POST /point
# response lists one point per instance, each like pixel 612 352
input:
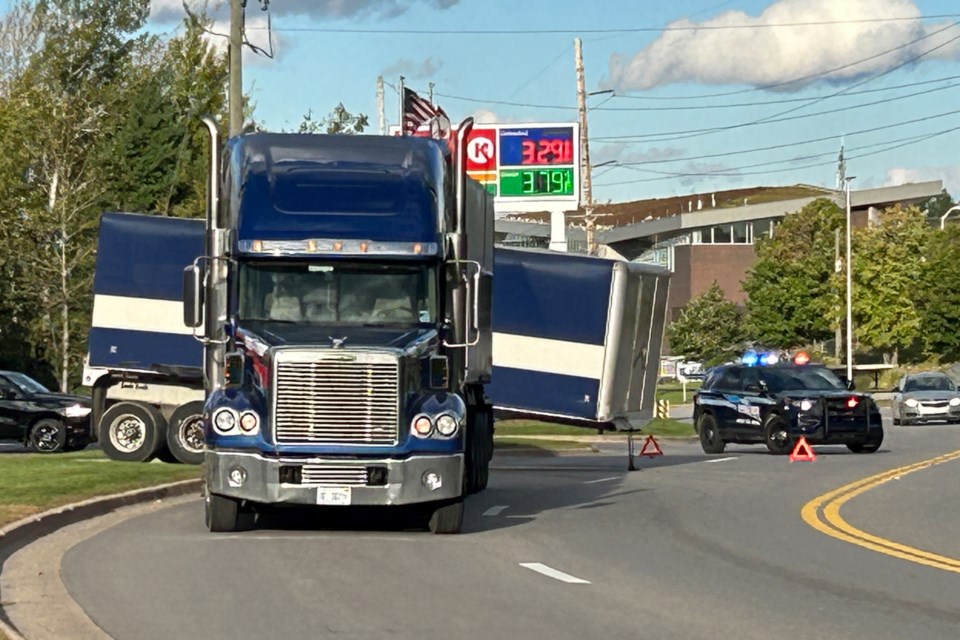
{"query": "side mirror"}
pixel 192 296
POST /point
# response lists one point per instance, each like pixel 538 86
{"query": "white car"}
pixel 926 397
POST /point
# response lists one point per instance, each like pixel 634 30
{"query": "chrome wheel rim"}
pixel 128 433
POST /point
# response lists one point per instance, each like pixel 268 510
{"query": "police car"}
pixel 762 399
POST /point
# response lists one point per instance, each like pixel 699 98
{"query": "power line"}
pixel 581 31
pixel 670 136
pixel 736 173
pixel 690 107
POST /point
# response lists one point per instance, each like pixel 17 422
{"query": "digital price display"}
pixel 536 182
pixel 536 146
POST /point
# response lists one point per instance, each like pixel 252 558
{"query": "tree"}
pixel 791 288
pixel 939 299
pixel 887 269
pixel 337 121
pixel 936 206
pixel 709 329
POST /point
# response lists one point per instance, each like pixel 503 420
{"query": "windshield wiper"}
pixel 270 320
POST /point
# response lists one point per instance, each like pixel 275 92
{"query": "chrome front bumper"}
pixel 405 483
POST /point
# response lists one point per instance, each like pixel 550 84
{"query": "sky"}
pixel 701 95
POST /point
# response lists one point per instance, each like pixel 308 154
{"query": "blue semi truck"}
pixel 327 336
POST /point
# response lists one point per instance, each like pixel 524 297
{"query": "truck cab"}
pixel 344 307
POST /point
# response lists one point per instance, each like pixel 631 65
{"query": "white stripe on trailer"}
pixel 548 356
pixel 139 314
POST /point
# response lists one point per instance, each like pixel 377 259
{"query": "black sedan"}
pixel 777 404
pixel 45 421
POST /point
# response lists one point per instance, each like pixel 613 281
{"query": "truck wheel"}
pixel 479 449
pixel 132 432
pixel 710 440
pixel 447 518
pixel 185 433
pixel 777 436
pixel 47 436
pixel 224 515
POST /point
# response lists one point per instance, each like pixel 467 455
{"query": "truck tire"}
pixel 710 440
pixel 186 439
pixel 479 448
pixel 225 515
pixel 48 435
pixel 447 518
pixel 132 432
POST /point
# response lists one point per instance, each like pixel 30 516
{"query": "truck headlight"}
pixel 76 411
pixel 224 420
pixel 249 422
pixel 422 426
pixel 446 425
pixel 910 402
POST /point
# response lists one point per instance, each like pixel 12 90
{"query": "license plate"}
pixel 334 496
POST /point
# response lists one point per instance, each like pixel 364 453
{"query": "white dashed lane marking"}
pixel 550 572
pixel 495 511
pixel 602 480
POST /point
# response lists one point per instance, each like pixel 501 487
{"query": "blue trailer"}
pixel 331 333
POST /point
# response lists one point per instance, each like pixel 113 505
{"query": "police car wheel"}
pixel 710 440
pixel 777 436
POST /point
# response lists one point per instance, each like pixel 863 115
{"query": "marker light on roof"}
pixel 771 358
pixel 750 358
pixel 801 358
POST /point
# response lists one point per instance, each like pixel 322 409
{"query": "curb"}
pixel 19 534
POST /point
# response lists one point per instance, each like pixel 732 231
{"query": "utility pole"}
pixel 838 335
pixel 849 288
pixel 585 169
pixel 236 67
pixel 381 110
pixel 431 92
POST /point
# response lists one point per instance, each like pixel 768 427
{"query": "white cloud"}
pixel 950 176
pixel 414 70
pixel 764 56
pixel 618 152
pixel 485 116
pixel 700 172
pixel 167 10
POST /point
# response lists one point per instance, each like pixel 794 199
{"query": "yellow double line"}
pixel 823 514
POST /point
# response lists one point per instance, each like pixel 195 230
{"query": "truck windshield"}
pixel 337 293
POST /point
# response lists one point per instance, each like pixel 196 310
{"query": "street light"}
pixel 849 287
pixel 943 218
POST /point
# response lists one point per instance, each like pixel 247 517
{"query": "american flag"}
pixel 417 111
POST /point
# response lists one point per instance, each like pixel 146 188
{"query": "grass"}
pixel 673 392
pixel 36 482
pixel 513 429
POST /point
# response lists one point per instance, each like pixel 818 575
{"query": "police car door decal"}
pixel 747 413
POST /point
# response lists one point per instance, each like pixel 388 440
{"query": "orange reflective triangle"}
pixel 656 448
pixel 802 452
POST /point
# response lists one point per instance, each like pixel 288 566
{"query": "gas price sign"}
pixel 538 166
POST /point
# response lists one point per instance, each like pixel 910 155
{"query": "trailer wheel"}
pixel 185 433
pixel 132 432
pixel 447 518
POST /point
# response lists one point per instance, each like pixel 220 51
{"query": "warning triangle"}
pixel 654 452
pixel 802 452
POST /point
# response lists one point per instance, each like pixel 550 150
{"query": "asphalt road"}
pixel 692 546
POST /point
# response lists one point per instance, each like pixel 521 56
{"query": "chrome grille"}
pixel 325 475
pixel 336 397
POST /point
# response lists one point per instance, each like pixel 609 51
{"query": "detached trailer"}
pixel 576 339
